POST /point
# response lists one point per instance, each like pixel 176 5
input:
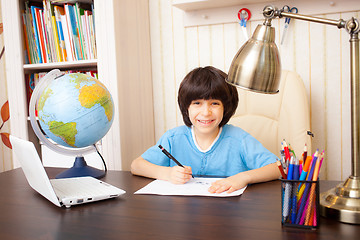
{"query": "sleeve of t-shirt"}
pixel 256 154
pixel 154 153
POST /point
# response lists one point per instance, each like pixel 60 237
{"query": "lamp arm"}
pixel 339 23
pixel 352 25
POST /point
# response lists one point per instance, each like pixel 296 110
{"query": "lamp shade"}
pixel 256 66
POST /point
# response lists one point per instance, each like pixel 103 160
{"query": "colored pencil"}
pixel 283 174
pixel 312 191
pixel 305 153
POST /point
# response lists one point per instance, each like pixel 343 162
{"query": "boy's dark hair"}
pixel 207 83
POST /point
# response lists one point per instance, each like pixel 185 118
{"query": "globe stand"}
pixel 81 169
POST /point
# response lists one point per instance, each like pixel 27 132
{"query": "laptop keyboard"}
pixel 80 187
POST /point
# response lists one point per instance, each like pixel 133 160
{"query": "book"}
pixel 87 35
pixel 45 37
pixel 26 40
pixel 92 34
pixel 30 35
pixel 40 32
pixel 58 11
pixel 36 34
pixel 70 12
pixel 78 12
pixel 29 85
pixel 67 38
pixel 50 21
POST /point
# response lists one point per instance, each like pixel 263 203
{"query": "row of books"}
pixel 58 33
pixel 32 79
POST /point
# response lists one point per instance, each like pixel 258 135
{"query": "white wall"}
pixel 318 53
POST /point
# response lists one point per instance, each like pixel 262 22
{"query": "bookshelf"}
pixel 28 68
pixel 123 47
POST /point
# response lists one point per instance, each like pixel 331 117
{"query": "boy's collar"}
pixel 196 144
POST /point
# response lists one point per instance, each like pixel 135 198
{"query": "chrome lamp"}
pixel 256 67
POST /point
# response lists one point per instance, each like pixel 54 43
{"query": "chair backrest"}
pixel 270 118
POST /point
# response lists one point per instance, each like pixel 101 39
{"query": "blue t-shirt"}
pixel 234 151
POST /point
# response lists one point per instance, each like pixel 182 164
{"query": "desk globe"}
pixel 75 111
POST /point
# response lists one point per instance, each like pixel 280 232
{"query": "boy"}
pixel 207 145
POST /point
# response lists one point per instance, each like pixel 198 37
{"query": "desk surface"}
pixel 24 214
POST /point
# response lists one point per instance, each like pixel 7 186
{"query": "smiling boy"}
pixel 207 145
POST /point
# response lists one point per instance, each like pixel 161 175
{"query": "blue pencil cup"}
pixel 300 203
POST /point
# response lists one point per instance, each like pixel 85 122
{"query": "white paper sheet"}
pixel 195 187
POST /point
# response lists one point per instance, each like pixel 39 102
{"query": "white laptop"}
pixel 61 192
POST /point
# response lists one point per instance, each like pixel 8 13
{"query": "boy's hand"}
pixel 180 175
pixel 229 185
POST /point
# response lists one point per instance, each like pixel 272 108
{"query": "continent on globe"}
pixel 66 131
pixel 90 95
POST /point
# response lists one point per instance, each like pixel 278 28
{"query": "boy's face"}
pixel 206 115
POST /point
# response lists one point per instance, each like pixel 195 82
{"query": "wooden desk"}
pixel 24 214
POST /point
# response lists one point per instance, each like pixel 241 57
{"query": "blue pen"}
pixel 294 191
pixel 287 193
pixel 291 168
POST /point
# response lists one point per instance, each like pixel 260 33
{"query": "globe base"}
pixel 81 169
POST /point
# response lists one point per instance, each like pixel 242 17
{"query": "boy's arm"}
pixel 240 180
pixel 177 175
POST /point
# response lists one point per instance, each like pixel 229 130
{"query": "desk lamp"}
pixel 256 67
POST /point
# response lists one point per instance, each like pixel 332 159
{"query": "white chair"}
pixel 270 118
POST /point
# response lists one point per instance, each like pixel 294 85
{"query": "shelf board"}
pixel 210 12
pixel 71 1
pixel 61 65
pixel 191 5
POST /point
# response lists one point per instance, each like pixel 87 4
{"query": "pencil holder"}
pixel 300 203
